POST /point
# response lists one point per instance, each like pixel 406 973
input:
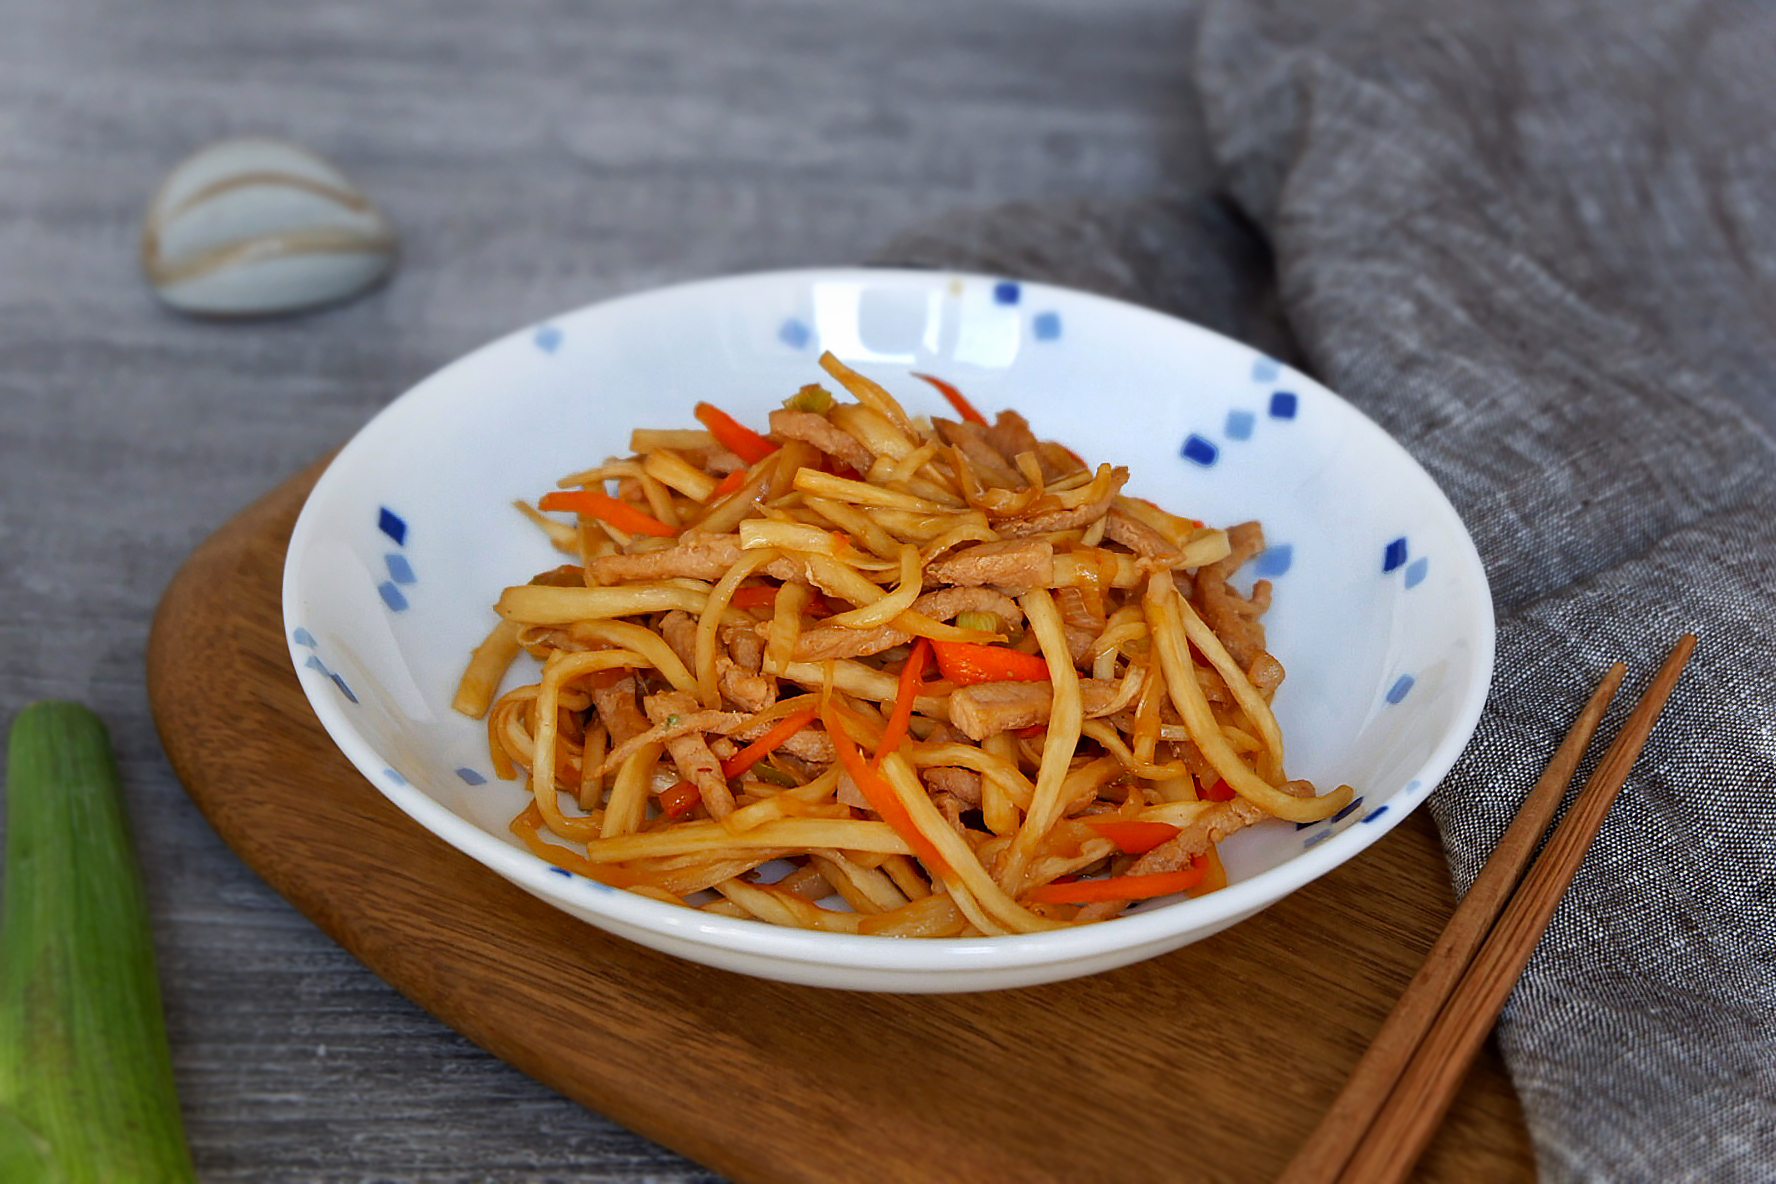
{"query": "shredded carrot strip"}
pixel 1218 792
pixel 965 663
pixel 737 438
pixel 765 745
pixel 1119 887
pixel 1214 874
pixel 755 596
pixel 725 486
pixel 956 399
pixel 605 508
pixel 1131 836
pixel 765 596
pixel 878 793
pixel 678 800
pixel 912 676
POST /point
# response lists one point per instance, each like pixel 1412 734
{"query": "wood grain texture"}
pixel 1209 1063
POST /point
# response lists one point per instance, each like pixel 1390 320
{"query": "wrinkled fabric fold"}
pixel 1537 243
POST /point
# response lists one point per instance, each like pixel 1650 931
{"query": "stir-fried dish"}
pixel 878 674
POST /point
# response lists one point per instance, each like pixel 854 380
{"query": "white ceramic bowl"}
pixel 1381 612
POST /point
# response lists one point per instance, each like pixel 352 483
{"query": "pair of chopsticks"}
pixel 1399 1092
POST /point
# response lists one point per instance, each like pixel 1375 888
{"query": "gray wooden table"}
pixel 535 155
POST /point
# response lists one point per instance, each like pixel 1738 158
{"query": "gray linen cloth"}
pixel 1537 243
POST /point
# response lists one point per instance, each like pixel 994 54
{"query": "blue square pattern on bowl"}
pixel 1243 424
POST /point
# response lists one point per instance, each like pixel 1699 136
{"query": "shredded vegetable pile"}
pixel 877 674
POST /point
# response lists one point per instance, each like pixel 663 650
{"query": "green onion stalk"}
pixel 86 1078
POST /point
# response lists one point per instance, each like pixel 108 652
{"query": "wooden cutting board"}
pixel 1211 1063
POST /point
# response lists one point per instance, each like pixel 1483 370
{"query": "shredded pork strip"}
pixel 964 785
pixel 698 555
pixel 993 707
pixel 837 641
pixel 822 433
pixel 615 702
pixel 1065 519
pixel 967 438
pixel 1138 537
pixel 1235 618
pixel 690 751
pixel 1015 565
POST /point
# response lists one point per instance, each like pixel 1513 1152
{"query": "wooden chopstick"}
pixel 1421 1097
pixel 1330 1147
pixel 1394 1100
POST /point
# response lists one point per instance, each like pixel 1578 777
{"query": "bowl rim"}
pixel 631 911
